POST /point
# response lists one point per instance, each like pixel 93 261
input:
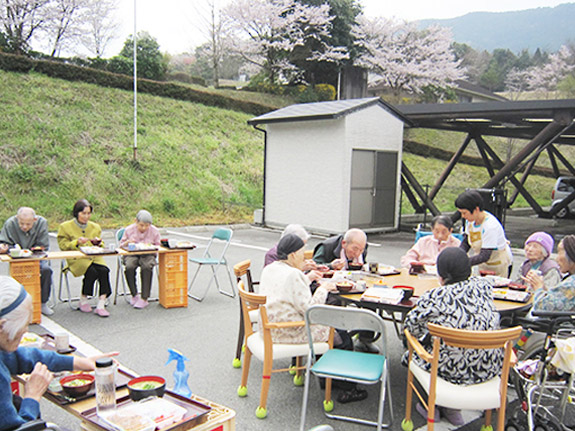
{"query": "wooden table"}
pixel 421 284
pixel 172 270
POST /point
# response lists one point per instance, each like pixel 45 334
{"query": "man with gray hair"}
pixel 339 251
pixel 30 230
pixel 140 232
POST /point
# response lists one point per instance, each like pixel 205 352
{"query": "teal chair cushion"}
pixel 352 365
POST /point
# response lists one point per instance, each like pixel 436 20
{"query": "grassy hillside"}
pixel 62 141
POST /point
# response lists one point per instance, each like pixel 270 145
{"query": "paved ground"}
pixel 206 333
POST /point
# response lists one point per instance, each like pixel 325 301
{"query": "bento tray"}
pixel 60 397
pixel 34 255
pixel 97 251
pixel 196 412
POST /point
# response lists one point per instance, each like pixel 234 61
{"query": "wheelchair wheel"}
pixel 547 424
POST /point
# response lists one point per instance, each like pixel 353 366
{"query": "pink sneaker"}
pixel 141 303
pixel 102 312
pixel 134 299
pixel 86 308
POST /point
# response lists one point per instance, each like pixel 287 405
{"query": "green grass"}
pixel 62 141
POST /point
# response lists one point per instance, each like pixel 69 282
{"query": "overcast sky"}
pixel 177 24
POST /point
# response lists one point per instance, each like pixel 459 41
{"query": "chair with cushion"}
pixel 242 269
pixel 488 395
pixel 224 237
pixel 350 366
pixel 259 344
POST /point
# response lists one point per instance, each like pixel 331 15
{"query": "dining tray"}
pixel 140 249
pixel 196 412
pixel 97 251
pixel 37 255
pixel 59 396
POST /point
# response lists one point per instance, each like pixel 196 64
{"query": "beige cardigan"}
pixel 68 234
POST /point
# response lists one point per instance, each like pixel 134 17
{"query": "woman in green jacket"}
pixel 81 232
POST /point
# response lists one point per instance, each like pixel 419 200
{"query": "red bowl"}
pixel 407 291
pixel 328 274
pixel 78 390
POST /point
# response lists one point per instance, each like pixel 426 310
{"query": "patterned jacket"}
pixel 464 305
pixel 558 298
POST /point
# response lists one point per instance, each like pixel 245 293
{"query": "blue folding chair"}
pixel 221 235
pixel 420 233
pixel 357 367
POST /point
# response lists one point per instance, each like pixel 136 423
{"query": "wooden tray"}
pixel 196 412
pixel 60 397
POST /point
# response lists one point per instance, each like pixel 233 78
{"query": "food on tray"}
pixel 130 421
pixel 184 244
pixel 37 249
pixel 328 274
pixel 148 384
pixel 30 339
pixel 77 385
pixel 76 382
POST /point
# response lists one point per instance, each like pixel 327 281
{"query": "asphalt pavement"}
pixel 206 332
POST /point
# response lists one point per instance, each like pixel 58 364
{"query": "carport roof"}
pixel 519 119
pixel 323 111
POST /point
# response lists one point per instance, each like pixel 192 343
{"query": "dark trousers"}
pixel 146 262
pixel 45 280
pixel 93 273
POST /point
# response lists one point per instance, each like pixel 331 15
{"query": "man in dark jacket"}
pixel 339 251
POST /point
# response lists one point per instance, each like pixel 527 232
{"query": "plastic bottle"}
pixel 105 385
pixel 181 374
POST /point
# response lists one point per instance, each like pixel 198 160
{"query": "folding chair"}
pixel 119 265
pixel 260 345
pixel 242 269
pixel 221 235
pixel 488 395
pixel 357 367
pixel 64 278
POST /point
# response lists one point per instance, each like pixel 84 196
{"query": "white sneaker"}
pixel 46 310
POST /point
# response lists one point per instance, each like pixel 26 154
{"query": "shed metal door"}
pixel 373 188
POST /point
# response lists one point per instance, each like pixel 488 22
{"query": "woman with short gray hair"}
pixel 15 313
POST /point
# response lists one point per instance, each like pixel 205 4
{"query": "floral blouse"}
pixel 558 298
pixel 464 305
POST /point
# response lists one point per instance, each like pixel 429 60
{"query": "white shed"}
pixel 334 165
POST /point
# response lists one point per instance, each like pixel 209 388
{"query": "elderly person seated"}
pixel 140 232
pixel 428 247
pixel 309 265
pixel 288 297
pixel 560 297
pixel 538 249
pixel 15 313
pixel 460 302
pixel 339 251
pixel 29 230
pixel 81 232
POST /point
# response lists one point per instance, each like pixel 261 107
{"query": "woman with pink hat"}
pixel 538 249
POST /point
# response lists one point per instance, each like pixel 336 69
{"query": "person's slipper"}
pixel 352 395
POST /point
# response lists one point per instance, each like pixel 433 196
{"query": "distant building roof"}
pixel 323 111
pixel 466 87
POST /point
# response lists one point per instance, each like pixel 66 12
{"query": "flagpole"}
pixel 135 87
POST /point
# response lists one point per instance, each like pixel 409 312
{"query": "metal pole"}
pixel 135 87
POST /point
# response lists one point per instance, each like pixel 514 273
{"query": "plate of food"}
pixel 17 253
pixel 135 247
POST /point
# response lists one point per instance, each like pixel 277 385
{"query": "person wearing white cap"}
pixel 140 232
pixel 15 313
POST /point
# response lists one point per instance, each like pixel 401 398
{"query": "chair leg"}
pixel 407 422
pixel 238 359
pixel 196 297
pixel 243 389
pixel 298 379
pixel 64 276
pixel 305 394
pixel 223 292
pixel 262 411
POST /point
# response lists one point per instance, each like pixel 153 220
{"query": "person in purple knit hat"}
pixel 538 249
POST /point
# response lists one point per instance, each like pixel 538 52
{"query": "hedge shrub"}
pixel 70 72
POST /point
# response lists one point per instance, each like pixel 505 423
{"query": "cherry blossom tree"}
pixel 405 58
pixel 20 19
pixel 547 76
pixel 100 26
pixel 270 32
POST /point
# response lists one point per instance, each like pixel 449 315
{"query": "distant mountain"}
pixel 545 27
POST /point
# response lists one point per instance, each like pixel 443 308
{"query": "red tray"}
pixel 196 412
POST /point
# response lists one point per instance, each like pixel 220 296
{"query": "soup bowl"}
pixel 146 386
pixel 77 385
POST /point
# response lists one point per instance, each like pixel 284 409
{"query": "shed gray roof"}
pixel 323 111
